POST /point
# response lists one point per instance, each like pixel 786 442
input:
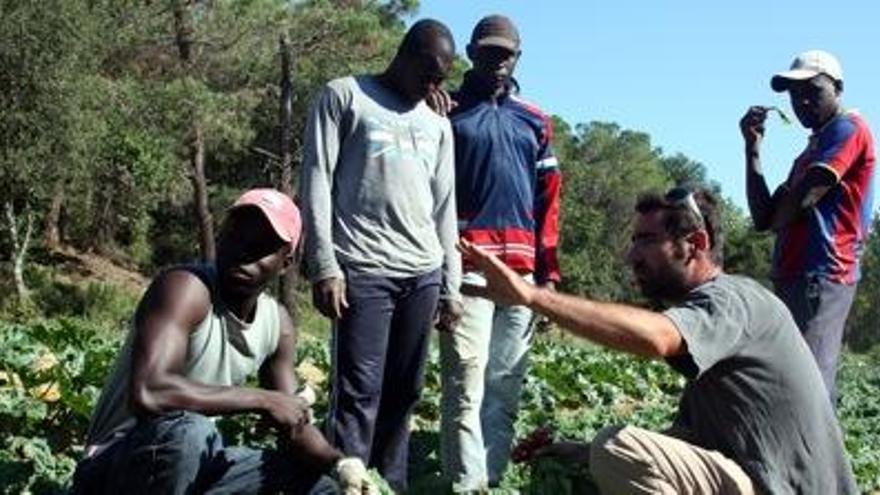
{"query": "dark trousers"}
pixel 820 308
pixel 379 350
pixel 183 453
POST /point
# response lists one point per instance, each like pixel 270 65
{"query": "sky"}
pixel 684 71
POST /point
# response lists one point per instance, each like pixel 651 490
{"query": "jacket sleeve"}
pixel 320 155
pixel 445 215
pixel 547 205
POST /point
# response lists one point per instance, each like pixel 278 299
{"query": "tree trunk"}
pixel 183 36
pixel 200 194
pixel 289 278
pixel 52 233
pixel 20 247
pixel 183 30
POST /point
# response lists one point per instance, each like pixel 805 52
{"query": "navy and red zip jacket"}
pixel 507 179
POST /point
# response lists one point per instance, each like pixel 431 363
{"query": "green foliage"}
pixel 99 106
pixel 746 251
pixel 95 117
pixel 51 372
pixel 863 325
pixel 858 380
pixel 604 170
pixel 53 296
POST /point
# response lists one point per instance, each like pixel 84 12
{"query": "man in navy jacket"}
pixel 507 192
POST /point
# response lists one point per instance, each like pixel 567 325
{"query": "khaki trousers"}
pixel 630 460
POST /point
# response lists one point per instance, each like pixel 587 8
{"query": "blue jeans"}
pixel 379 349
pixel 183 453
pixel 820 308
pixel 483 364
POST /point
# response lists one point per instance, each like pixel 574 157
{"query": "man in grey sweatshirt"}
pixel 378 194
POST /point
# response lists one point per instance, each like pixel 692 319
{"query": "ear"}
pixel 289 259
pixel 471 52
pixel 700 240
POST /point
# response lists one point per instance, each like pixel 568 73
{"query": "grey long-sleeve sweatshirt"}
pixel 378 186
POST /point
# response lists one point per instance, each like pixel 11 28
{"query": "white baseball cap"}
pixel 805 66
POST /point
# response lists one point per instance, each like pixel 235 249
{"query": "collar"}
pixel 840 113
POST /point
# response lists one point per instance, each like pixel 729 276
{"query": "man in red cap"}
pixel 822 212
pixel 198 333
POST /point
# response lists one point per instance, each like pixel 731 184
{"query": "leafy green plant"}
pixel 51 373
pixel 52 370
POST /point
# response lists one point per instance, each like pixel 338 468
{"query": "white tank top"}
pixel 222 350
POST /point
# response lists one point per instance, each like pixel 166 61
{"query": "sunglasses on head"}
pixel 684 197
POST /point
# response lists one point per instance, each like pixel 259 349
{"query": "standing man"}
pixel 507 183
pixel 379 195
pixel 821 213
pixel 198 333
pixel 753 417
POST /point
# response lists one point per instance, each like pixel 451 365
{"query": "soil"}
pixel 81 267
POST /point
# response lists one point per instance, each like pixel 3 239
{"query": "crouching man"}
pixel 198 333
pixel 754 416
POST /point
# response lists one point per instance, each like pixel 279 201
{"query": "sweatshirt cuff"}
pixel 324 271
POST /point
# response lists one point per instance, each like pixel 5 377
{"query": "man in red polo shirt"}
pixel 822 212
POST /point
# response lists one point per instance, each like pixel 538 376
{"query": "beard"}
pixel 667 282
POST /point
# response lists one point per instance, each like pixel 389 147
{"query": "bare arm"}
pixel 790 203
pixel 171 310
pixel 277 372
pixel 786 204
pixel 626 328
pixel 618 326
pixel 761 202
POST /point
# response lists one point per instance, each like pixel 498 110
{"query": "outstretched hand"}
pixel 503 285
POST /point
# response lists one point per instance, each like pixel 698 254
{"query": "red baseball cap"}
pixel 278 208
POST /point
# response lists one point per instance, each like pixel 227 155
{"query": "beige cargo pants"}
pixel 630 460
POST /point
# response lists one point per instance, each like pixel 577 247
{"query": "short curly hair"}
pixel 681 219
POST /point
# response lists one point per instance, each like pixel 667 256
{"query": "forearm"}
pixel 175 392
pixel 448 236
pixel 792 202
pixel 445 216
pixel 310 447
pixel 318 221
pixel 617 326
pixel 787 208
pixel 759 198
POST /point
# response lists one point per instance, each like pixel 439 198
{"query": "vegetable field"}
pixel 51 371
